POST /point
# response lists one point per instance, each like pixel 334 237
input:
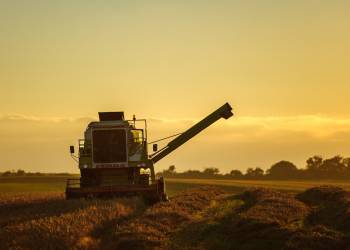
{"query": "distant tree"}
pixel 191 174
pixel 314 163
pixel 20 172
pixel 336 167
pixel 196 172
pixel 236 173
pixel 333 167
pixel 346 162
pixel 253 173
pixel 7 173
pixel 171 169
pixel 259 172
pixel 211 171
pixel 250 171
pixel 283 169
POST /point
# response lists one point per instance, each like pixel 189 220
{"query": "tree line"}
pixel 21 172
pixel 316 167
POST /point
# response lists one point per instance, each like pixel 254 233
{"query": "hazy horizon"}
pixel 282 65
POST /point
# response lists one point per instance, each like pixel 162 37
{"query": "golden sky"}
pixel 283 65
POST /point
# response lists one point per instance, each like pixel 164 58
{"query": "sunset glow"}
pixel 283 66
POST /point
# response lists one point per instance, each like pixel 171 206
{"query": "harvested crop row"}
pixel 265 219
pixel 331 207
pixel 203 218
pixel 152 229
pixel 24 207
pixel 277 220
pixel 280 221
pixel 270 206
pixel 67 229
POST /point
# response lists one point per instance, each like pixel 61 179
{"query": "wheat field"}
pixel 224 215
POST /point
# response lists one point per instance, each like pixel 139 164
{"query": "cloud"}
pixel 248 128
pixel 317 126
pixel 27 118
pixel 239 127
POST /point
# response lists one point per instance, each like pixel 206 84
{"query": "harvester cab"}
pixel 114 161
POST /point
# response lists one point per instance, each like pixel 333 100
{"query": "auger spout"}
pixel 224 111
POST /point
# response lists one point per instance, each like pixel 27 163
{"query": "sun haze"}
pixel 282 65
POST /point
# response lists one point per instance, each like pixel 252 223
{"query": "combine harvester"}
pixel 114 161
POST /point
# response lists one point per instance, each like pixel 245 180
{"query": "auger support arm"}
pixel 224 111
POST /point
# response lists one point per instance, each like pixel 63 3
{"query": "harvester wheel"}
pixel 164 197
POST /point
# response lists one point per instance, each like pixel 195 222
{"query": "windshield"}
pixel 109 146
pixel 135 144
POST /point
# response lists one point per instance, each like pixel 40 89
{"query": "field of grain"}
pixel 174 185
pixel 238 185
pixel 225 215
pixel 48 221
